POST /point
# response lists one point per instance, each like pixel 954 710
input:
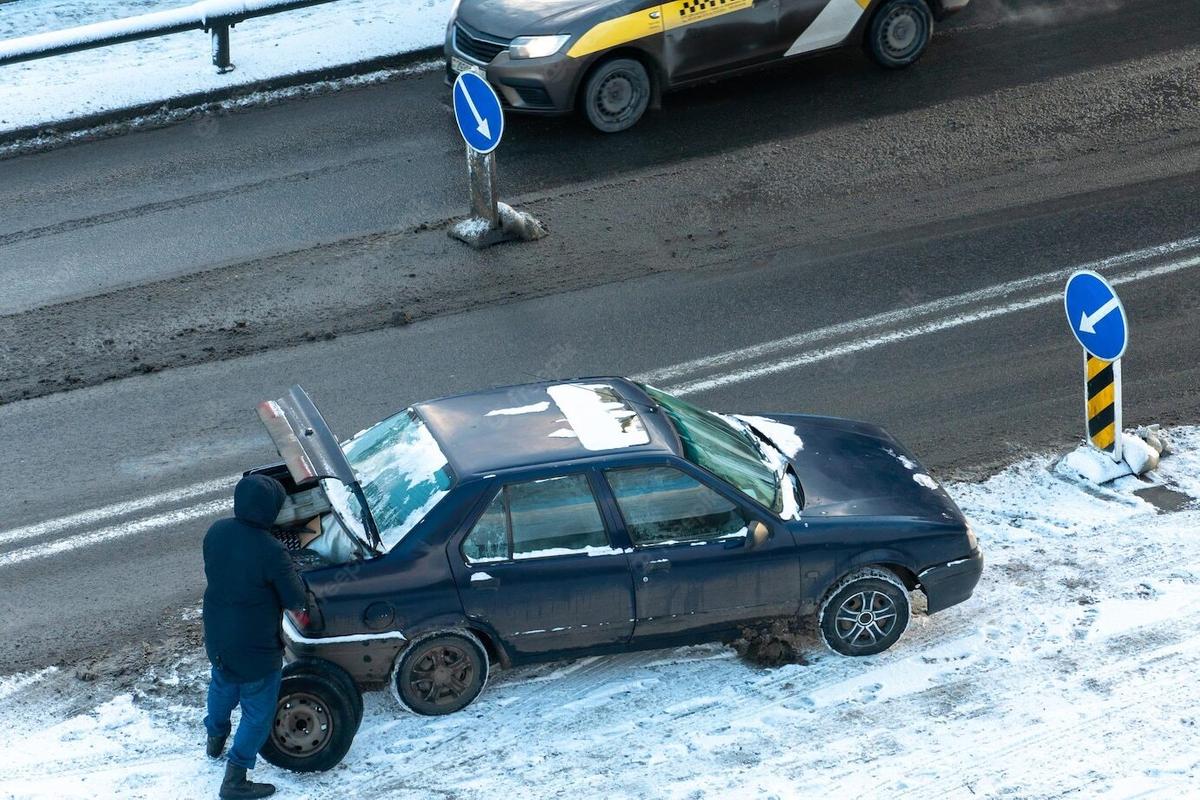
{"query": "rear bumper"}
pixel 948 584
pixel 367 657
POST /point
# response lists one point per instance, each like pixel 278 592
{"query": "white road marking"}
pixel 867 343
pixel 95 515
pixel 119 531
pixel 722 378
pixel 905 314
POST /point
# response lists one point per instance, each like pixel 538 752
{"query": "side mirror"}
pixel 757 535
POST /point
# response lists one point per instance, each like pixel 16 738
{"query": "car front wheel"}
pixel 616 95
pixel 899 32
pixel 441 674
pixel 865 613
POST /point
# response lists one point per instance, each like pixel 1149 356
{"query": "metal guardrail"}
pixel 210 16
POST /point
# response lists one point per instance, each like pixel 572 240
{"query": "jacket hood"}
pixel 257 500
pixel 510 18
pixel 850 468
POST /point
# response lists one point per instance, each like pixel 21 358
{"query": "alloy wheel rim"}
pixel 901 32
pixel 441 675
pixel 303 724
pixel 866 618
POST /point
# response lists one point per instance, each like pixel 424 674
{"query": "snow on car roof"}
pixel 540 423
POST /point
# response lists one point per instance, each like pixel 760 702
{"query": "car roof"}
pixel 546 423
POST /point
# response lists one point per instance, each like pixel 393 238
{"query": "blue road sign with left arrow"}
pixel 1096 315
pixel 478 113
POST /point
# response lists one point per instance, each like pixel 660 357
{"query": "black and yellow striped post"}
pixel 1102 398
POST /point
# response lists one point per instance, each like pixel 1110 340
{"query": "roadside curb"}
pixel 200 99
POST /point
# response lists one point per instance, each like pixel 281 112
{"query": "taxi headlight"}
pixel 536 46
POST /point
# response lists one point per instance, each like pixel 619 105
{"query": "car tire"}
pixel 616 94
pixel 441 673
pixel 865 613
pixel 327 669
pixel 899 32
pixel 314 725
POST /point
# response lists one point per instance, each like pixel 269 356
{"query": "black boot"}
pixel 236 787
pixel 216 746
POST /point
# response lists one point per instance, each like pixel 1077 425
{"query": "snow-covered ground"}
pixel 1071 673
pixel 133 74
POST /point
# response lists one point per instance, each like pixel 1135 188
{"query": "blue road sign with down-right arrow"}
pixel 477 112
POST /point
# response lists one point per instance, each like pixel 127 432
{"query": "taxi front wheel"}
pixel 899 32
pixel 616 94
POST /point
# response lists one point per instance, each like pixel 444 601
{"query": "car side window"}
pixel 488 540
pixel 662 505
pixel 554 516
pixel 550 517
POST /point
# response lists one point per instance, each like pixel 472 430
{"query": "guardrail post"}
pixel 220 48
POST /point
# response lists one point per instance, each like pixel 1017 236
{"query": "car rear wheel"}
pixel 899 32
pixel 865 613
pixel 441 674
pixel 314 726
pixel 616 95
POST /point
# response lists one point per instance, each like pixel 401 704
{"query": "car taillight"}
pixel 309 619
pixel 301 619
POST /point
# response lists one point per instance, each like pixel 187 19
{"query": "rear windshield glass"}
pixel 403 472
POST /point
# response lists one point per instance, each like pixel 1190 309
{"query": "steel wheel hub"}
pixel 865 618
pixel 615 95
pixel 900 32
pixel 303 724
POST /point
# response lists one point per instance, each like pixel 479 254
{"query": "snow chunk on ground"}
pixel 1090 464
pixel 1137 454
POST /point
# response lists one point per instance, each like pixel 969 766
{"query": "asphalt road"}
pixel 970 393
pixel 225 189
pixel 949 334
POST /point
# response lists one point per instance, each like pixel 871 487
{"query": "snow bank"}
pixel 137 73
pixel 1067 675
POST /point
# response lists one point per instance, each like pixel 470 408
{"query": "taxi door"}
pixel 809 25
pixel 706 37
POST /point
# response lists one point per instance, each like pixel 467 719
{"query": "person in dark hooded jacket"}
pixel 251 580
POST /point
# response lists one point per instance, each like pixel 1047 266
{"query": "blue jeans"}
pixel 257 699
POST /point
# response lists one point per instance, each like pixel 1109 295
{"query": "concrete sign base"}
pixel 511 226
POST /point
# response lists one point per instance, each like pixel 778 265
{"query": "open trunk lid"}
pixel 308 447
pixel 303 439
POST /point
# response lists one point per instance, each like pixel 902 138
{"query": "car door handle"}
pixel 657 565
pixel 482 580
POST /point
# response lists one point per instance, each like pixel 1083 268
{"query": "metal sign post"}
pixel 480 121
pixel 1097 318
pixel 481 169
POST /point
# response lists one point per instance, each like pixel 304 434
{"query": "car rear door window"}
pixel 550 517
pixel 662 505
pixel 488 540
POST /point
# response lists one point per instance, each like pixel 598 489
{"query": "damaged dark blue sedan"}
pixel 557 520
